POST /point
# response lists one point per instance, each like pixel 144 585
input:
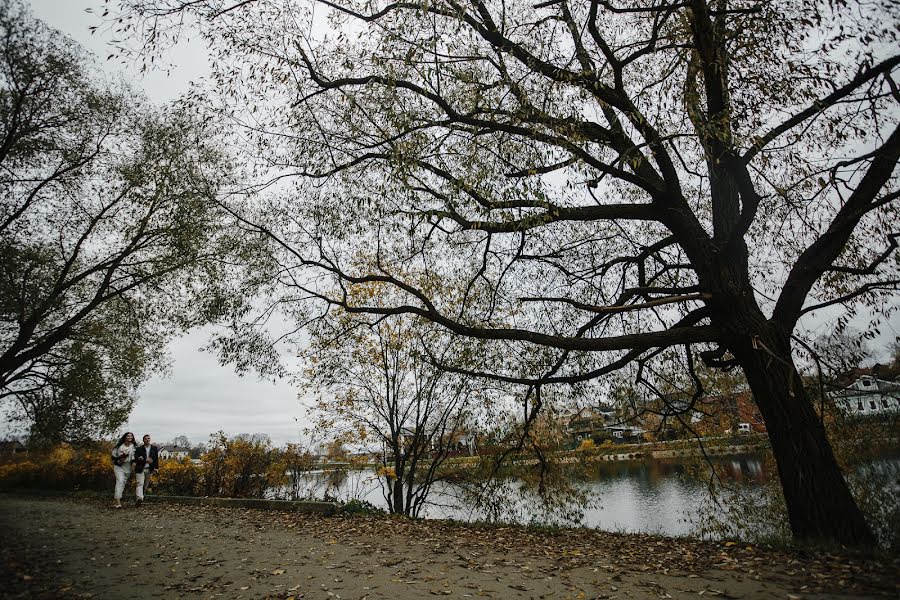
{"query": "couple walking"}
pixel 145 459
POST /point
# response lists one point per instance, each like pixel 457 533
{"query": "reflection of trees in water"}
pixel 561 494
pixel 519 500
pixel 334 481
pixel 658 495
pixel 737 468
pixel 535 494
pixel 743 498
pixel 867 450
pixel 670 496
pixel 305 484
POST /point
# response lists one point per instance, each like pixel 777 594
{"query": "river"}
pixel 665 497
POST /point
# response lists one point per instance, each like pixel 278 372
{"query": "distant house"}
pixel 173 453
pixel 461 442
pixel 601 421
pixel 749 417
pixel 625 433
pixel 868 396
pixel 585 424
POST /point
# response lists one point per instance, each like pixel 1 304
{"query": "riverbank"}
pixel 81 548
pixel 713 446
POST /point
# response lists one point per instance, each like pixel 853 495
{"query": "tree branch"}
pixel 821 254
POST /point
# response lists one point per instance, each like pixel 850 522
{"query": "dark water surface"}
pixel 660 496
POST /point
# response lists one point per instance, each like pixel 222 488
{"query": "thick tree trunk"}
pixel 819 504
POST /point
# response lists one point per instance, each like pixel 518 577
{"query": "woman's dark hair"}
pixel 122 439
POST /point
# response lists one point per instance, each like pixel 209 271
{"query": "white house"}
pixel 173 453
pixel 868 396
pixel 624 432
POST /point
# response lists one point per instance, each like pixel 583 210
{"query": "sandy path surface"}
pixel 66 548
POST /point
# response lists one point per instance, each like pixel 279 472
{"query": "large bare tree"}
pixel 582 184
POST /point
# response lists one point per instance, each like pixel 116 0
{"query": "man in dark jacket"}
pixel 146 461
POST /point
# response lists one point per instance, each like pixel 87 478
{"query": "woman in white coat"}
pixel 122 455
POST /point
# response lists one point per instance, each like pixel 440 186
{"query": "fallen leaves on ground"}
pixel 485 548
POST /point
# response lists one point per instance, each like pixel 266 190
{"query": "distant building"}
pixel 461 442
pixel 173 453
pixel 600 422
pixel 749 418
pixel 455 442
pixel 626 433
pixel 868 396
pixel 585 424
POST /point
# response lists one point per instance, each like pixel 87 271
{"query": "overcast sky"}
pixel 199 396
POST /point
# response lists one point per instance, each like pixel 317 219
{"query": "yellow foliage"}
pixel 93 469
pixel 18 474
pixel 61 468
pixel 587 445
pixel 231 468
pixel 388 472
pixel 177 477
pixel 61 456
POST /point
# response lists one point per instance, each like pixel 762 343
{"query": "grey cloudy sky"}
pixel 198 396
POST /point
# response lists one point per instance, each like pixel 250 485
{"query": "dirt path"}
pixel 66 548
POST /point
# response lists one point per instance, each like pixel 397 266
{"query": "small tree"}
pixel 295 462
pixel 375 387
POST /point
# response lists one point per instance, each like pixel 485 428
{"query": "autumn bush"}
pixel 177 478
pixel 291 467
pixel 61 468
pixel 93 469
pixel 587 445
pixel 19 473
pixel 232 467
pixel 246 468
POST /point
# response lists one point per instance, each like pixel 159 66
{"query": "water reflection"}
pixel 659 496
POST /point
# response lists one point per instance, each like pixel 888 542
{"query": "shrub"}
pixel 61 468
pixel 361 507
pixel 19 474
pixel 241 468
pixel 177 478
pixel 93 470
pixel 291 468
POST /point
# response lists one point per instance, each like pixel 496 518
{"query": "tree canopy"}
pixel 577 187
pixel 108 231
